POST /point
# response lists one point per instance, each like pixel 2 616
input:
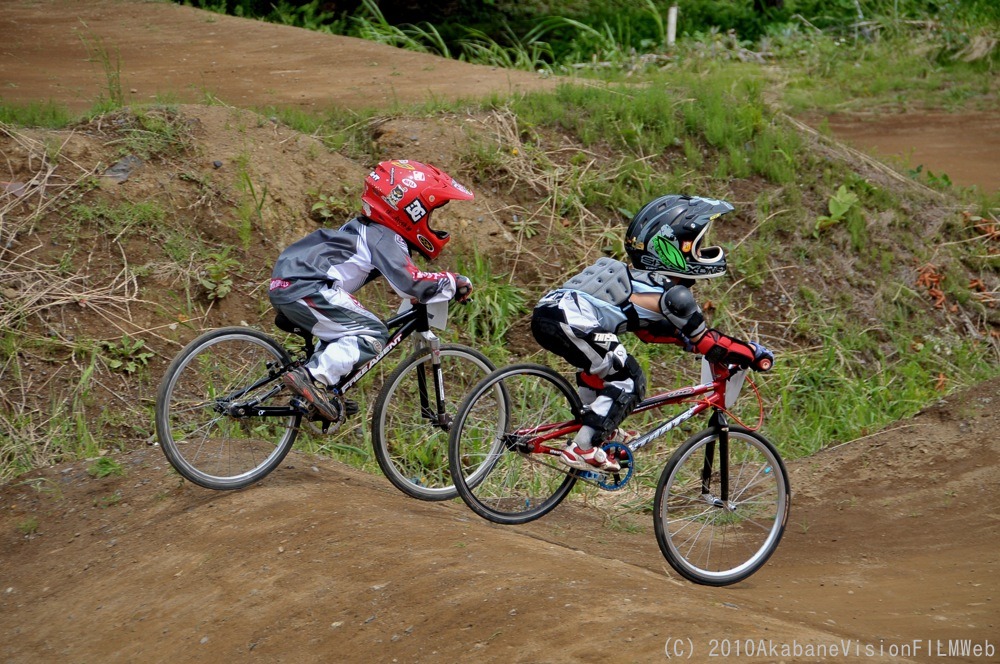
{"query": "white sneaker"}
pixel 595 457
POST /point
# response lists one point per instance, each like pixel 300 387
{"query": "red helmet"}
pixel 401 195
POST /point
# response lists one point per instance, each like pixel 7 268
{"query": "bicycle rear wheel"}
pixel 711 541
pixel 202 440
pixel 497 469
pixel 410 443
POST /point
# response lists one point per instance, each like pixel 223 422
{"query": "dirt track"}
pixel 892 550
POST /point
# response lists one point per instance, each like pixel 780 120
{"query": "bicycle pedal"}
pixel 351 407
pixel 300 404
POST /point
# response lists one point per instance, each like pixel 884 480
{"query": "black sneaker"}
pixel 299 381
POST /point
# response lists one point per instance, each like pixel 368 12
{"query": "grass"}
pixel 339 130
pixel 150 132
pixel 582 160
pixel 250 208
pixel 120 221
pixel 496 303
pixel 903 69
pixel 105 467
pixel 46 114
pixel 28 526
pixel 110 62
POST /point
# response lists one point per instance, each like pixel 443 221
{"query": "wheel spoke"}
pixel 494 472
pixel 214 449
pixel 714 543
pixel 410 443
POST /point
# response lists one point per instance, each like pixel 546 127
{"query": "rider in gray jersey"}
pixel 314 280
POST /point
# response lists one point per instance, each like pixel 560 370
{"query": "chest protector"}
pixel 607 280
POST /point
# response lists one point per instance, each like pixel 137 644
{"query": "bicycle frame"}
pixel 404 324
pixel 416 319
pixel 714 396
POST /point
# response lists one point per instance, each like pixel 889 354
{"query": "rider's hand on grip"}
pixel 763 359
pixel 463 288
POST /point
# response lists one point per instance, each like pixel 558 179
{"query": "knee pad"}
pixel 622 403
pixel 632 369
pixel 585 379
pixel 370 344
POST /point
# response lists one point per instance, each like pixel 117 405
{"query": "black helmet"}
pixel 665 236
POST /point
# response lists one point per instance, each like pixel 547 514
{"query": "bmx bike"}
pixel 225 419
pixel 721 502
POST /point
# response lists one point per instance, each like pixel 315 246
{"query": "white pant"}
pixel 349 335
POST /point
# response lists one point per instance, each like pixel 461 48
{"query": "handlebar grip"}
pixel 765 364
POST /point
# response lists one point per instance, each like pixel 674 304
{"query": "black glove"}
pixel 463 288
pixel 763 359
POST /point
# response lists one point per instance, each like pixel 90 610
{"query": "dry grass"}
pixel 557 189
pixel 34 291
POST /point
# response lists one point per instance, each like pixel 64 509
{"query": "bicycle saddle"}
pixel 285 324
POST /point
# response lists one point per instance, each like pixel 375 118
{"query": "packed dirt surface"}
pixel 965 147
pixel 63 50
pixel 891 554
pixel 892 551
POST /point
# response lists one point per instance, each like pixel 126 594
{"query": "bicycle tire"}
pixel 496 480
pixel 411 451
pixel 204 443
pixel 704 540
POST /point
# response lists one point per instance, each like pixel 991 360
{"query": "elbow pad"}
pixel 721 349
pixel 678 306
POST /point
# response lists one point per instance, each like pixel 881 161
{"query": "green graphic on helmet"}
pixel 668 254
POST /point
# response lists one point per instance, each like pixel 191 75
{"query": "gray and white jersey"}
pixel 588 314
pixel 350 257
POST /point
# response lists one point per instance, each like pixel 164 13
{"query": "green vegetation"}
pixel 126 355
pixel 216 274
pixel 496 304
pixel 111 65
pixel 29 526
pixel 623 34
pixel 105 467
pixel 872 289
pixel 840 204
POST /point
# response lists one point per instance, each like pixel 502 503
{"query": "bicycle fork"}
pixel 434 413
pixel 720 424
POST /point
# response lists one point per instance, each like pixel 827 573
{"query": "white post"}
pixel 671 25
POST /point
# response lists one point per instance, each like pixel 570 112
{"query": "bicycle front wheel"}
pixel 711 540
pixel 202 438
pixel 500 447
pixel 409 439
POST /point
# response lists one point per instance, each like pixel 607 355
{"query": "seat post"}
pixel 284 323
